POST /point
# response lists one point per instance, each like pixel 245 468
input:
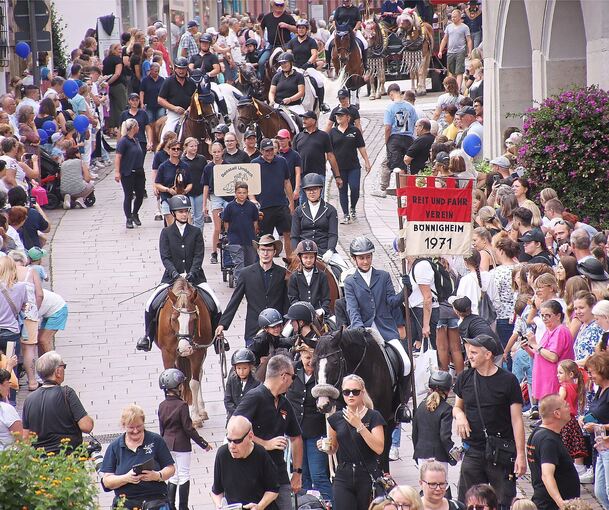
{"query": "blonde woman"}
pixel 356 434
pixel 13 295
pixel 433 482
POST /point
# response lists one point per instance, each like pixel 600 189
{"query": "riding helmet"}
pixel 206 38
pixel 221 128
pixel 252 42
pixel 178 202
pixel 196 75
pixel 302 23
pixel 181 63
pixel 242 356
pixel 361 245
pixel 440 380
pixel 269 317
pixel 301 311
pixel 312 180
pixel 306 246
pixel 171 378
pixel 248 133
pixel 285 57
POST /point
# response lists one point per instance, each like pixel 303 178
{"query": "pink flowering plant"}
pixel 565 146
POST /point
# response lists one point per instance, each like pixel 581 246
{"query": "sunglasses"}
pixel 175 149
pixel 351 392
pixel 238 440
pixel 293 375
pixel 63 365
pixel 476 507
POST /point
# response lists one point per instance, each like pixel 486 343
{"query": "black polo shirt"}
pixel 151 89
pixel 301 50
pixel 176 94
pixel 273 176
pixel 312 148
pixel 205 62
pixel 132 157
pixel 287 86
pixel 119 460
pixel 269 421
pixel 238 157
pixel 142 121
pixel 195 167
pixel 277 36
pixel 293 160
pixel 166 175
pixel 345 146
pixel 419 152
pixel 347 16
pixel 353 114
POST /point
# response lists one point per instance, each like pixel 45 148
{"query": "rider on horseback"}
pixel 269 339
pixel 347 18
pixel 302 316
pixel 181 248
pixel 308 283
pixel 175 94
pixel 288 85
pixel 279 26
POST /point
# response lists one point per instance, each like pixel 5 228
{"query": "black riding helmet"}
pixel 440 380
pixel 252 42
pixel 178 202
pixel 221 128
pixel 361 245
pixel 242 356
pixel 306 246
pixel 181 63
pixel 285 57
pixel 301 311
pixel 312 180
pixel 171 378
pixel 207 38
pixel 269 317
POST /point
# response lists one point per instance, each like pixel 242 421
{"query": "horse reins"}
pixel 343 363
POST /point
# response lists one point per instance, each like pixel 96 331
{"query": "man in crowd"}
pixel 273 418
pixel 279 26
pixel 522 218
pixel 188 44
pixel 149 92
pixel 553 473
pixel 458 41
pixel 9 105
pixel 471 325
pixel 501 165
pixel 418 153
pixel 469 124
pixel 175 94
pixel 243 471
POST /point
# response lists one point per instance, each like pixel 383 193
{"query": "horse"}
pixel 249 83
pixel 417 39
pixel 269 121
pixel 376 58
pixel 356 351
pixel 184 333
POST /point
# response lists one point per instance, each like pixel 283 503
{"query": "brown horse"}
pixel 418 44
pixel 184 333
pixel 251 111
pixel 346 54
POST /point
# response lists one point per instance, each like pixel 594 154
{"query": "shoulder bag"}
pixel 10 302
pixel 499 451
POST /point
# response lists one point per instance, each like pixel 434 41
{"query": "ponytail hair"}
pixel 570 367
pixel 434 399
pixel 474 261
pixel 127 126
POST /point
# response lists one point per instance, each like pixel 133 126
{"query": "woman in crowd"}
pixel 601 314
pixel 172 178
pixel 196 164
pixel 356 435
pixel 507 255
pixel 481 495
pixel 129 171
pixel 28 132
pixel 10 423
pixel 160 156
pixel 48 112
pixel 450 97
pixel 475 282
pixel 433 481
pixel 75 180
pixel 482 243
pixel 135 62
pixel 217 202
pixel 114 67
pixel 16 219
pixel 565 269
pixel 590 332
pixel 117 467
pixel 574 285
pixel 451 130
pixel 488 219
pixel 16 297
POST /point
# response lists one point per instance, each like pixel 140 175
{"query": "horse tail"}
pixel 183 364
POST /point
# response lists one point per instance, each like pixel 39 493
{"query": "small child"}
pixel 269 340
pixel 176 429
pixel 252 56
pixel 240 380
pixel 573 390
pixel 432 423
pixel 36 254
pixel 241 222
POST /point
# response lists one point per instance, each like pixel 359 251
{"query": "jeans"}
pixel 303 196
pixel 315 472
pixel 284 499
pixel 352 488
pixel 242 256
pixel 522 366
pixel 155 114
pixel 397 145
pixel 264 58
pixel 351 180
pixel 133 183
pixel 196 202
pixel 505 329
pixel 601 479
pixel 477 39
pixel 396 436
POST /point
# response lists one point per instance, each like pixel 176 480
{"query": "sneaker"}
pixel 136 220
pixel 214 258
pixel 587 476
pixel 158 217
pixel 80 203
pixel 67 201
pixel 346 220
pixel 353 215
pixel 531 411
pixel 379 193
pixel 394 453
pixel 324 108
pixel 129 223
pixel 93 175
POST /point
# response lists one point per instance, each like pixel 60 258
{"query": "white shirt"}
pixel 181 227
pixel 314 207
pixel 308 275
pixel 8 416
pixel 468 286
pixel 14 235
pixel 367 276
pixel 29 101
pixel 423 275
pixel 51 304
pixel 235 45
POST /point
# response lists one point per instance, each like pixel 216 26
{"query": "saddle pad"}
pixel 394 362
pixel 292 120
pixel 211 306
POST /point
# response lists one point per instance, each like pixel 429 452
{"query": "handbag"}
pixel 424 365
pixel 486 310
pixel 10 302
pixel 499 451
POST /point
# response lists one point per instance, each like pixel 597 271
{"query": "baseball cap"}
pixel 310 115
pixel 266 143
pixel 501 161
pixel 467 110
pixel 443 158
pixel 343 93
pixel 460 303
pixel 134 95
pixel 35 253
pixel 249 132
pixel 486 341
pixel 193 23
pixel 55 137
pixel 533 235
pixel 284 133
pixel 342 111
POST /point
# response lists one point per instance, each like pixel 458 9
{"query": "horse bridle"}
pixel 197 318
pixel 259 114
pixel 343 364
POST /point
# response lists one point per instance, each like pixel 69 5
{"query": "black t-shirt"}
pixel 277 36
pixel 496 393
pixel 142 121
pixel 205 62
pixel 238 157
pixel 346 435
pixel 269 421
pixel 166 176
pixel 353 114
pixel 301 50
pixel 245 480
pixel 109 67
pixel 347 16
pixel 345 146
pixel 293 160
pixel 176 94
pixel 159 158
pixel 419 152
pixel 287 86
pixel 208 180
pixel 132 157
pixel 312 148
pixel 195 168
pixel 53 413
pixel 254 155
pixel 474 325
pixel 599 407
pixel 34 222
pixel 252 57
pixel 546 447
pixel 542 257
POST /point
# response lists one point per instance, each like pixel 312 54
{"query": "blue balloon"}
pixel 22 49
pixel 44 136
pixel 70 88
pixel 50 127
pixel 472 144
pixel 81 123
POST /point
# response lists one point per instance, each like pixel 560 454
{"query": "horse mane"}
pixel 180 286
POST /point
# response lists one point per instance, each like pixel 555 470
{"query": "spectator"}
pixel 535 245
pixel 451 97
pixel 27 128
pixel 36 221
pixel 471 325
pixel 149 91
pixel 128 450
pixel 417 154
pixel 244 472
pixel 31 98
pixel 425 309
pixel 196 164
pixel 469 124
pixel 188 45
pixel 451 130
pixel 477 282
pixel 53 316
pixel 10 422
pixel 53 411
pixel 458 41
pixel 13 296
pixel 434 482
pixel 590 333
pixel 240 379
pixel 75 179
pixel 114 67
pixel 9 105
pixel 485 495
pixel 16 219
pixel 553 474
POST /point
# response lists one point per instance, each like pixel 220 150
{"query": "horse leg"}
pixel 202 412
pixel 380 88
pixel 372 87
pixel 198 413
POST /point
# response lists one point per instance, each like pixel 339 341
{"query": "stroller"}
pixel 227 265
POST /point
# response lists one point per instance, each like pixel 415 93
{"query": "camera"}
pixel 94 449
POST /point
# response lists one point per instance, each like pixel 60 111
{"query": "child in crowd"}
pixel 573 390
pixel 241 222
pixel 36 254
pixel 240 380
pixel 252 56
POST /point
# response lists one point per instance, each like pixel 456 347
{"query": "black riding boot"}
pixel 172 490
pixel 329 57
pixel 402 414
pixel 223 110
pixel 145 343
pixel 184 492
pixel 321 92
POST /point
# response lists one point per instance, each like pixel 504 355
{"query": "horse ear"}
pixel 338 336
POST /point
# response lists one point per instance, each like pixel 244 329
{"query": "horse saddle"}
pixel 214 312
pixel 291 118
pixel 394 361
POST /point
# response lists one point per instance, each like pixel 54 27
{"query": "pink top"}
pixel 558 341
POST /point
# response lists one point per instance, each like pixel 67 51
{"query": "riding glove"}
pixel 190 277
pixel 327 256
pixel 175 275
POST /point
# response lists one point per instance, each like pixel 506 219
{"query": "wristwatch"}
pixel 539 349
pixel 297 470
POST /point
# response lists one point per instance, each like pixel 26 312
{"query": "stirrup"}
pixel 144 344
pixel 403 414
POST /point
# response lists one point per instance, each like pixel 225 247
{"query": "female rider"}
pixel 288 86
pixel 166 181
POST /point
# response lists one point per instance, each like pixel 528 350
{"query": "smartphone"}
pixel 496 178
pixel 33 201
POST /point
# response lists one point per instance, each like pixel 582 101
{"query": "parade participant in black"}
pixel 315 220
pixel 344 102
pixel 288 85
pixel 240 380
pixel 219 133
pixel 262 284
pixel 308 283
pixel 250 144
pixel 349 16
pixel 165 181
pixel 207 86
pixel 181 248
pixel 252 55
pixel 233 154
pixel 269 340
pixel 301 314
pixel 145 129
pixel 279 26
pixel 176 93
pixel 129 171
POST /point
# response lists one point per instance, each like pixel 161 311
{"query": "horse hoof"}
pixel 372 98
pixel 203 416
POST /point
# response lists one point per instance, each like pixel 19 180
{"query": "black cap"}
pixel 193 23
pixel 342 111
pixel 486 341
pixel 266 143
pixel 533 235
pixel 462 304
pixel 593 269
pixel 133 95
pixel 443 158
pixel 343 93
pixel 467 110
pixel 310 115
pixel 249 132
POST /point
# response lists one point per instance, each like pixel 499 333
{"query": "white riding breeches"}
pixel 155 293
pixel 172 121
pixel 296 109
pixel 315 75
pixel 400 348
pixel 358 34
pixel 182 472
pixel 217 90
pixel 205 286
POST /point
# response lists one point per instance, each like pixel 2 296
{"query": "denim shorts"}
pixel 165 208
pixel 451 323
pixel 217 202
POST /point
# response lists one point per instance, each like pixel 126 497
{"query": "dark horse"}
pixel 184 333
pixel 347 58
pixel 251 111
pixel 358 352
pixel 249 83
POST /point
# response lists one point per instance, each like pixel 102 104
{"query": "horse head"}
pixel 184 316
pixel 246 113
pixel 330 365
pixel 249 77
pixel 343 42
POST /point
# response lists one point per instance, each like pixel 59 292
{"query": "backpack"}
pixel 443 280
